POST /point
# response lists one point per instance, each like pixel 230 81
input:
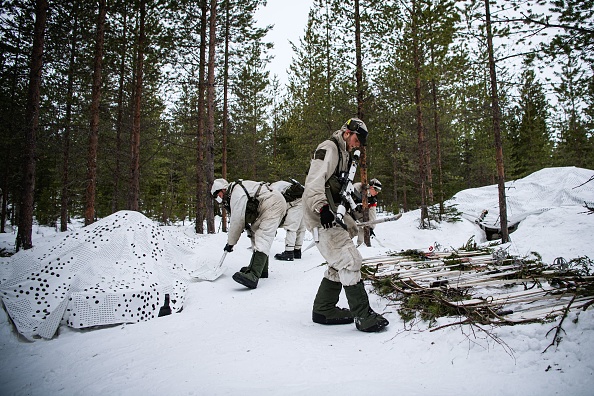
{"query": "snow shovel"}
pixel 316 239
pixel 210 274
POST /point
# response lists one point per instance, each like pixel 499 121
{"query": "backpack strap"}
pixel 336 171
pixel 252 205
pixel 244 189
pixel 257 191
pixel 227 202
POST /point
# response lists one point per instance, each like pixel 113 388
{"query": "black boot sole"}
pixel 375 328
pixel 246 282
pixel 321 319
pixel 282 258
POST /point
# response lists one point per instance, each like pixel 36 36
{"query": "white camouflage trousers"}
pixel 271 212
pixel 344 260
pixel 294 225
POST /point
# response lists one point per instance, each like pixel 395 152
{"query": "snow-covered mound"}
pixel 547 189
pixel 117 270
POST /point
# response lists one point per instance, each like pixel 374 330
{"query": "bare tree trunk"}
pixel 329 121
pixel 430 197
pixel 24 235
pixel 225 107
pixel 65 196
pixel 497 130
pixel 117 174
pixel 437 143
pixel 395 173
pixel 134 198
pixel 94 124
pixel 438 149
pixel 420 127
pixel 4 202
pixel 200 166
pixel 361 115
pixel 254 150
pixel 211 117
pixel 7 169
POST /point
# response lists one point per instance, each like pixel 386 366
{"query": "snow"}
pixel 229 340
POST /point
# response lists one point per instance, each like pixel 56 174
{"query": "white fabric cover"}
pixel 548 188
pixel 116 270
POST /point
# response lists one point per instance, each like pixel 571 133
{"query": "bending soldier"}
pixel 292 223
pixel 257 208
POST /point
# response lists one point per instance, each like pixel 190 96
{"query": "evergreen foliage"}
pixel 530 140
pixel 272 130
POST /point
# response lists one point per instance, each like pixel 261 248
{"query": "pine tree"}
pixel 573 148
pixel 531 142
pixel 249 141
pixel 134 186
pixel 497 128
pixel 94 123
pixel 24 239
pixel 15 41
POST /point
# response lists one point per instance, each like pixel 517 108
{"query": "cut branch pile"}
pixel 480 286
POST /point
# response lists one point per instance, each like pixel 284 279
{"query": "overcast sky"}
pixel 289 18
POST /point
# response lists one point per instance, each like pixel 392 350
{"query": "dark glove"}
pixel 326 217
pixel 228 248
pixel 371 233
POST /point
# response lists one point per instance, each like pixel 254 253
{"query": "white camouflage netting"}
pixel 550 188
pixel 117 270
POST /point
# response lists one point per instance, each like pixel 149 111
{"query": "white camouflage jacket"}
pixel 322 166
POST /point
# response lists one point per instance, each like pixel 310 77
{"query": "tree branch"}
pixel 559 328
pixel 527 20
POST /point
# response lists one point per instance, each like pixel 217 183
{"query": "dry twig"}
pixel 559 328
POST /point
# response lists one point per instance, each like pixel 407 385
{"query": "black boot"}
pixel 265 270
pixel 250 278
pixel 264 275
pixel 365 318
pixel 325 310
pixel 247 269
pixel 297 254
pixel 287 255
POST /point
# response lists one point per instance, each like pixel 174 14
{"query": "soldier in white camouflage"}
pixel 374 188
pixel 257 208
pixel 322 187
pixel 293 220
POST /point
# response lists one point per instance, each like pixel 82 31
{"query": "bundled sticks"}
pixel 483 286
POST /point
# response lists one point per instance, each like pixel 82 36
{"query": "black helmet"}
pixel 359 127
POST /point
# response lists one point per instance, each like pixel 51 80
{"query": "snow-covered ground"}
pixel 229 340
